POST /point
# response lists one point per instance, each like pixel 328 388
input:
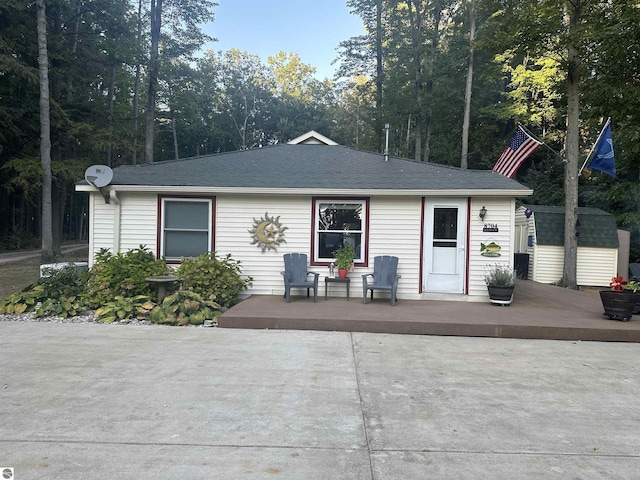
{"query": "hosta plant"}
pixel 125 308
pixel 63 307
pixel 25 301
pixel 184 307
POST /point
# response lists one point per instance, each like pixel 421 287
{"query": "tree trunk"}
pixel 569 278
pixel 45 134
pixel 111 94
pixel 176 154
pixel 379 74
pixel 156 22
pixel 418 142
pixel 435 41
pixel 408 137
pixel 415 20
pixel 136 87
pixel 467 93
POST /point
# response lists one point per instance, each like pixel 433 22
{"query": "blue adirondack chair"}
pixel 296 275
pixel 384 277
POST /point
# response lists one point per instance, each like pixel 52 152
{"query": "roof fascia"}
pixel 177 189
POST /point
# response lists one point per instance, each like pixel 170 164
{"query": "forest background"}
pixel 129 84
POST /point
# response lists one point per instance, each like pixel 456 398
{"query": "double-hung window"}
pixel 336 223
pixel 186 227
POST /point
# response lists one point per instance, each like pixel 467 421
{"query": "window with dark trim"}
pixel 186 227
pixel 336 222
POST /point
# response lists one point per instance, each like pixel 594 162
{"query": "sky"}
pixel 311 28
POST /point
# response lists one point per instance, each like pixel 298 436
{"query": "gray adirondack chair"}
pixel 296 275
pixel 383 278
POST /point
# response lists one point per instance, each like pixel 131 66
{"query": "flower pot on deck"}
pixel 500 295
pixel 618 305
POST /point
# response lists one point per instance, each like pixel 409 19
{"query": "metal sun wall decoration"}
pixel 267 233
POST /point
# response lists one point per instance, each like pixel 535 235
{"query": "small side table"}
pixel 328 280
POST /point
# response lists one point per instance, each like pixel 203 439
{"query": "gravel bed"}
pixel 87 317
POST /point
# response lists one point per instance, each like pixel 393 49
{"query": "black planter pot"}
pixel 500 295
pixel 618 305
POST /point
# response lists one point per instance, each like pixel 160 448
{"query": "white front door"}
pixel 445 240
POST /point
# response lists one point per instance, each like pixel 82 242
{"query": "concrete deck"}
pixel 538 311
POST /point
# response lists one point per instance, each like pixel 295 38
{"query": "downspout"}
pixel 91 221
pixel 115 201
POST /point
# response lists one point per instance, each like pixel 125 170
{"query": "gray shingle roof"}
pixel 310 166
pixel 597 227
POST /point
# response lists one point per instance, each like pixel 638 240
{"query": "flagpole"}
pixel 594 145
pixel 528 132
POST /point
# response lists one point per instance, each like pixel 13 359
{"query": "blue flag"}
pixel 602 158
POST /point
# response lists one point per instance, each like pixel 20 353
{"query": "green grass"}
pixel 17 275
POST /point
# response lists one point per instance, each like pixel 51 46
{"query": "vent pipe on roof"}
pixel 386 142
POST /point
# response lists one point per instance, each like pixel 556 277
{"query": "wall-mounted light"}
pixel 528 212
pixel 483 213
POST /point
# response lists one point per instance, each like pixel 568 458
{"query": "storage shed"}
pixel 541 236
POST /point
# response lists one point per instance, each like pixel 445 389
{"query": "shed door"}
pixel 445 244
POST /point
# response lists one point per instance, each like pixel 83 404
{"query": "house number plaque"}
pixel 490 227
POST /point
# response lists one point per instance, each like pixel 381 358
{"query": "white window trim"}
pixel 209 201
pixel 364 203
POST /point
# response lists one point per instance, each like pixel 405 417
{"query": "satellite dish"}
pixel 98 175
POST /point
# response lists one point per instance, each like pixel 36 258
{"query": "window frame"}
pixel 363 261
pixel 162 200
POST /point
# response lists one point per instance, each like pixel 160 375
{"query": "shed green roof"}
pixel 597 227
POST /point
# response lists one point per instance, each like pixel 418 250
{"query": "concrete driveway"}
pixel 82 401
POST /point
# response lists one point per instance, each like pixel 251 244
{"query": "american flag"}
pixel 520 147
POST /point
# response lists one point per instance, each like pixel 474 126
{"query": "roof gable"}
pixel 312 138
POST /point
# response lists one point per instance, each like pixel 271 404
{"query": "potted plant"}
pixel 501 281
pixel 619 302
pixel 344 258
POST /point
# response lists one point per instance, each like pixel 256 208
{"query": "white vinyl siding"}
pixel 235 217
pixel 138 221
pixel 595 267
pixel 394 229
pixel 123 224
pixel 101 225
pixel 500 212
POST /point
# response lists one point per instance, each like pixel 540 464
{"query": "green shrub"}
pixel 123 274
pixel 184 308
pixel 217 279
pixel 65 282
